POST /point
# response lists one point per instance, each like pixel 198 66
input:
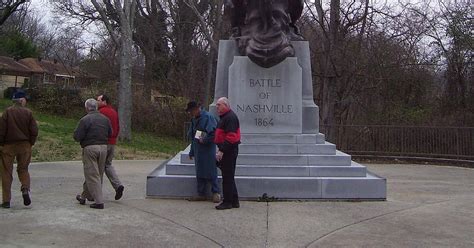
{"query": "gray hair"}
pixel 225 101
pixel 91 104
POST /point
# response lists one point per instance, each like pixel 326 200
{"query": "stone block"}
pixel 369 187
pixel 322 149
pixel 340 159
pixel 266 100
pixel 268 148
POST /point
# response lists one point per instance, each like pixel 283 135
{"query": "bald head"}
pixel 224 100
pixel 222 105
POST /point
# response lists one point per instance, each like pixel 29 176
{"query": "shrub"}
pixel 59 101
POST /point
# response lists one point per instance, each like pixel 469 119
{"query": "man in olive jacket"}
pixel 93 132
pixel 18 132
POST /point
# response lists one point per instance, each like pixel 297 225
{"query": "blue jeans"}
pixel 202 185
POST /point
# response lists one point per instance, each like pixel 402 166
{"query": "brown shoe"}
pixel 197 198
pixel 216 198
pixel 81 200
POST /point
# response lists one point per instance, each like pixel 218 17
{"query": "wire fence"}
pixel 410 141
pixel 406 141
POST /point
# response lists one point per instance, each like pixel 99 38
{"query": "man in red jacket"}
pixel 106 109
pixel 227 139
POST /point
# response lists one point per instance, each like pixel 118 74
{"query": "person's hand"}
pixel 219 156
pixel 191 157
pixel 201 140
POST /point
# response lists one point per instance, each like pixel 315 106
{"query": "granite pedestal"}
pixel 282 152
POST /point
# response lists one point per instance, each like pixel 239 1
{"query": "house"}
pixel 12 73
pixel 46 72
pixel 40 72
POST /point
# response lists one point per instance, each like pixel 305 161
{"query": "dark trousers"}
pixel 227 165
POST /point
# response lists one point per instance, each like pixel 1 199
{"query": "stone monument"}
pixel 282 154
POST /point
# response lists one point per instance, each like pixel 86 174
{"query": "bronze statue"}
pixel 264 29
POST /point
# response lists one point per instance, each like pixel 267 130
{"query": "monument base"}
pixel 302 167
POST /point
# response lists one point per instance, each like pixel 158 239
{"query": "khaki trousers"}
pixel 22 152
pixel 109 168
pixel 93 158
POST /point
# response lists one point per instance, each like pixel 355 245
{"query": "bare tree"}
pixel 337 30
pixel 8 7
pixel 124 37
pixel 151 35
pixel 209 15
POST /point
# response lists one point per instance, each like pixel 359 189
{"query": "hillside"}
pixel 55 142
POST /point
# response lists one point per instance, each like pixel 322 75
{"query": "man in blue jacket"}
pixel 203 150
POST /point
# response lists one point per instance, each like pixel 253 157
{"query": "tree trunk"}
pixel 125 96
pixel 330 80
pixel 125 86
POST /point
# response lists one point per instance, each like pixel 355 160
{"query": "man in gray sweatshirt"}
pixel 93 132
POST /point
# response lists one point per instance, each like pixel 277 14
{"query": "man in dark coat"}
pixel 203 150
pixel 93 133
pixel 18 132
pixel 227 138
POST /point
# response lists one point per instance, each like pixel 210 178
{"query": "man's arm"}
pixel 191 138
pixel 110 130
pixel 210 127
pixel 33 130
pixel 80 132
pixel 232 135
pixel 117 126
pixel 3 127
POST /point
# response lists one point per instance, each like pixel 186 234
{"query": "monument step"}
pixel 338 159
pixel 355 170
pixel 326 148
pixel 282 138
pixel 368 187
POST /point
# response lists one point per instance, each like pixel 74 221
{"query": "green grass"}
pixel 55 142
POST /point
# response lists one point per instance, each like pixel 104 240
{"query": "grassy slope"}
pixel 55 142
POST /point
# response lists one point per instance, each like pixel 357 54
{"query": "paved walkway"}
pixel 427 206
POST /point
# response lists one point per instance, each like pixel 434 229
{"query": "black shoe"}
pixel 119 192
pixel 235 205
pixel 81 200
pixel 26 197
pixel 97 206
pixel 224 206
pixel 6 205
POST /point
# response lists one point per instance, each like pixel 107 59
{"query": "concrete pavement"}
pixel 427 206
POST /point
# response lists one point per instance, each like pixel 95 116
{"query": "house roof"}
pixel 28 66
pixel 52 67
pixel 11 66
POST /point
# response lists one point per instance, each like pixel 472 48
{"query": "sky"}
pixel 44 8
